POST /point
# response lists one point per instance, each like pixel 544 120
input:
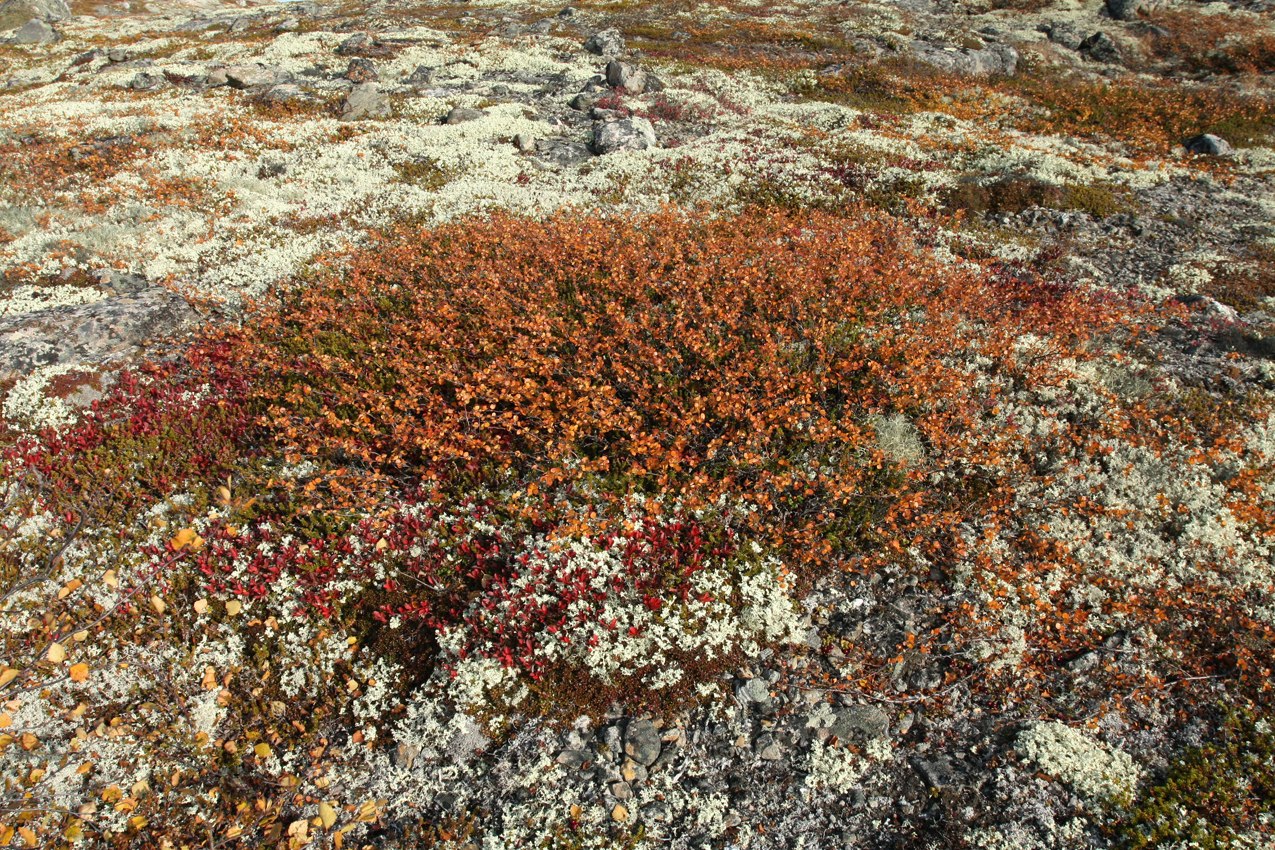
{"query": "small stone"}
pixel 642 742
pixel 574 759
pixel 252 76
pixel 34 32
pixel 361 70
pixel 1123 10
pixel 288 25
pixel 525 142
pixel 608 42
pixel 622 791
pixel 625 76
pixel 1064 34
pixel 361 44
pixel 365 101
pixel 866 720
pixel 1208 144
pixel 770 750
pixel 754 690
pixel 628 771
pixel 423 75
pixel 461 114
pixel 1101 47
pixel 632 134
pixel 619 813
pixel 584 101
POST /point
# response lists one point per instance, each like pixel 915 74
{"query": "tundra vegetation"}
pixel 494 425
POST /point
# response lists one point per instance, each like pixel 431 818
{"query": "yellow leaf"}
pixel 262 750
pixel 338 839
pixel 201 606
pixel 183 538
pixel 29 742
pixel 233 607
pixel 6 835
pixel 8 676
pixel 80 636
pixel 223 494
pixel 5 720
pixel 28 836
pixel 56 653
pixel 79 672
pixel 109 579
pixel 69 588
pixel 327 814
pixel 210 678
pixel 158 604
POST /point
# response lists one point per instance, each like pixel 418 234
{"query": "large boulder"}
pixel 365 101
pixel 991 60
pixel 34 32
pixel 15 13
pixel 628 134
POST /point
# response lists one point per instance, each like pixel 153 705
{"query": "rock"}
pixel 146 81
pixel 1208 144
pixel 34 32
pixel 938 772
pixel 287 94
pixel 461 114
pixel 1123 10
pixel 361 70
pixel 642 742
pixel 619 813
pixel 252 76
pixel 633 134
pixel 992 60
pixel 16 13
pixel 288 25
pixel 572 759
pixel 1063 33
pixel 112 330
pixel 365 101
pixel 754 690
pixel 362 44
pixel 608 42
pixel 423 75
pixel 562 153
pixel 625 76
pixel 867 720
pixel 117 55
pixel 768 748
pixel 621 791
pixel 1211 308
pixel 584 101
pixel 1101 47
pixel 525 142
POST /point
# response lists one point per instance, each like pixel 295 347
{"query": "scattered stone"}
pixel 361 70
pixel 16 13
pixel 1208 144
pixel 605 43
pixel 362 44
pixel 103 332
pixel 288 25
pixel 423 75
pixel 994 60
pixel 365 101
pixel 867 720
pixel 642 742
pixel 146 81
pixel 1101 47
pixel 461 114
pixel 938 772
pixel 572 759
pixel 1064 34
pixel 562 153
pixel 1123 10
pixel 525 142
pixel 34 32
pixel 626 76
pixel 768 749
pixel 286 94
pixel 632 134
pixel 1211 308
pixel 251 76
pixel 621 791
pixel 584 101
pixel 754 690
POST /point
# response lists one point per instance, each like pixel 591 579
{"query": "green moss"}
pixel 1212 794
pixel 425 172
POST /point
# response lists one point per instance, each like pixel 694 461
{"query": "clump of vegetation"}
pixel 1216 43
pixel 1015 194
pixel 1213 796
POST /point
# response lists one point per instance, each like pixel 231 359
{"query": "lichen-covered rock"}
pixel 365 101
pixel 605 43
pixel 988 61
pixel 1208 144
pixel 34 31
pixel 15 13
pixel 633 134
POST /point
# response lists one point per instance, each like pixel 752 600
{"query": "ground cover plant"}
pixel 543 467
pixel 735 425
